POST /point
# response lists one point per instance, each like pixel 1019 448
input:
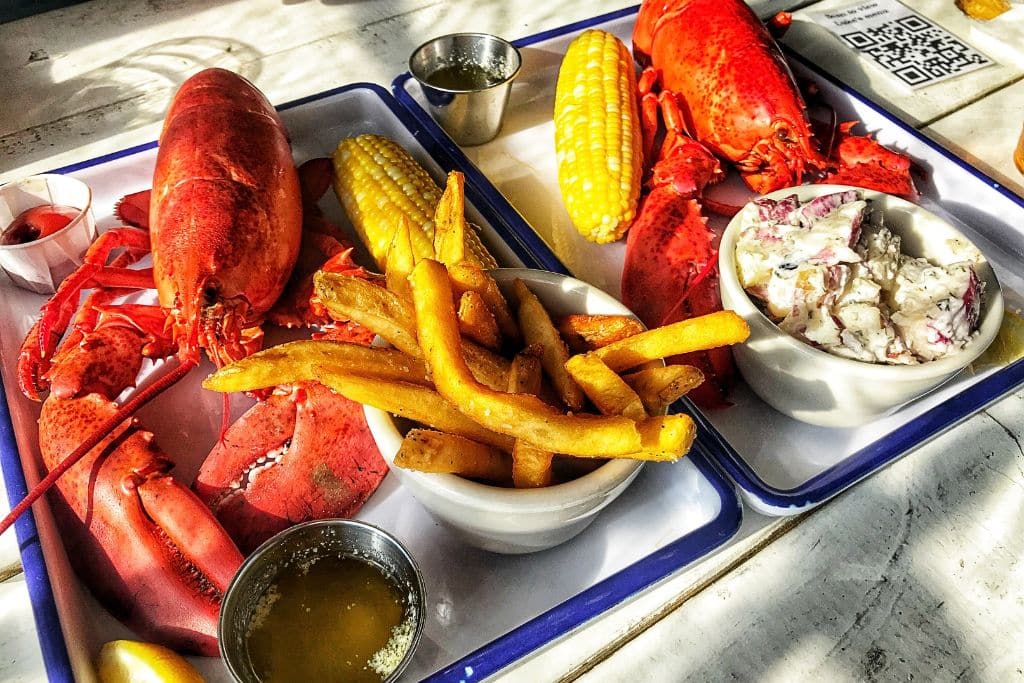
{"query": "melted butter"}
pixel 463 76
pixel 326 621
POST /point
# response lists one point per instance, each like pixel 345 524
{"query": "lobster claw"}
pixel 302 454
pixel 670 250
pixel 859 160
pixel 146 545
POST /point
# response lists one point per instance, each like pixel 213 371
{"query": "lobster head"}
pixel 225 214
pixel 649 16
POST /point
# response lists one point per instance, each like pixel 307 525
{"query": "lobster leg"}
pixel 133 209
pixel 36 354
pixel 648 110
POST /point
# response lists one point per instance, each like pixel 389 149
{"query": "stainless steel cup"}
pixel 471 114
pixel 300 544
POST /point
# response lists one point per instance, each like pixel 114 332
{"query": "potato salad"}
pixel 830 278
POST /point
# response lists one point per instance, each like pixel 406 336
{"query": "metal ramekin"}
pixel 301 543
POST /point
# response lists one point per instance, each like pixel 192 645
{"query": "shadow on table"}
pixel 907 576
pixel 121 96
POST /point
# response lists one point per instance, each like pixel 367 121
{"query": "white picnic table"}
pixel 914 574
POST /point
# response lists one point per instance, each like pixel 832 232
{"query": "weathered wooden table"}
pixel 915 573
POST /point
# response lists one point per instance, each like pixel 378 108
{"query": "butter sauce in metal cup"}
pixel 304 557
pixel 466 79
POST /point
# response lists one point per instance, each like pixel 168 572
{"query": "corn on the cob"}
pixel 597 136
pixel 376 180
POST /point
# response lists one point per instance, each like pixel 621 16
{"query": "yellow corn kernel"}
pixel 597 136
pixel 376 181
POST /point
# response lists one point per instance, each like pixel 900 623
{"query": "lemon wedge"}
pixel 131 661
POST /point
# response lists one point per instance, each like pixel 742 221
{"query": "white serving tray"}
pixel 782 466
pixel 484 611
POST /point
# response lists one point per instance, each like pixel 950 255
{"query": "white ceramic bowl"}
pixel 822 389
pixel 509 520
pixel 42 264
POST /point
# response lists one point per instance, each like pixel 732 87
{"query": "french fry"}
pixel 524 377
pixel 405 399
pixel 303 360
pixel 696 334
pixel 487 367
pixel 400 260
pixel 477 322
pixel 518 415
pixel 660 387
pixel 604 388
pixel 531 466
pixel 413 402
pixel 369 304
pixel 429 451
pixel 353 298
pixel 537 328
pixel 466 276
pixel 585 333
pixel 450 222
pixel 665 438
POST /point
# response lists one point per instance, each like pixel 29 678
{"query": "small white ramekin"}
pixel 42 264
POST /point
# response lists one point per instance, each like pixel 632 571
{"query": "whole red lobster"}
pixel 225 221
pixel 727 93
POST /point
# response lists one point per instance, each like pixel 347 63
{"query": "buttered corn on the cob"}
pixel 376 181
pixel 597 136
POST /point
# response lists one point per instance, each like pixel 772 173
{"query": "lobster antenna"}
pixel 123 413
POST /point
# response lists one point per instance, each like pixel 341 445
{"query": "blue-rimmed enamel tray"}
pixel 484 611
pixel 782 466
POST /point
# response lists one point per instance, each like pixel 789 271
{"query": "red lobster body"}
pixel 724 81
pixel 733 89
pixel 226 215
pixel 226 225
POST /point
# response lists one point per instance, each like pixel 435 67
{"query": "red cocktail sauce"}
pixel 38 222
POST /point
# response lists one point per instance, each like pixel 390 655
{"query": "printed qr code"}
pixel 915 50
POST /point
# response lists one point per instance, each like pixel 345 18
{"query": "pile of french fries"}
pixel 500 391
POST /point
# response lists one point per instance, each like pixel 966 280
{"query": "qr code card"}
pixel 907 45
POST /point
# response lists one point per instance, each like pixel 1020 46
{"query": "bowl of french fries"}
pixel 514 404
pixel 509 491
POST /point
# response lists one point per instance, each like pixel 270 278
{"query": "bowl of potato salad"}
pixel 858 301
